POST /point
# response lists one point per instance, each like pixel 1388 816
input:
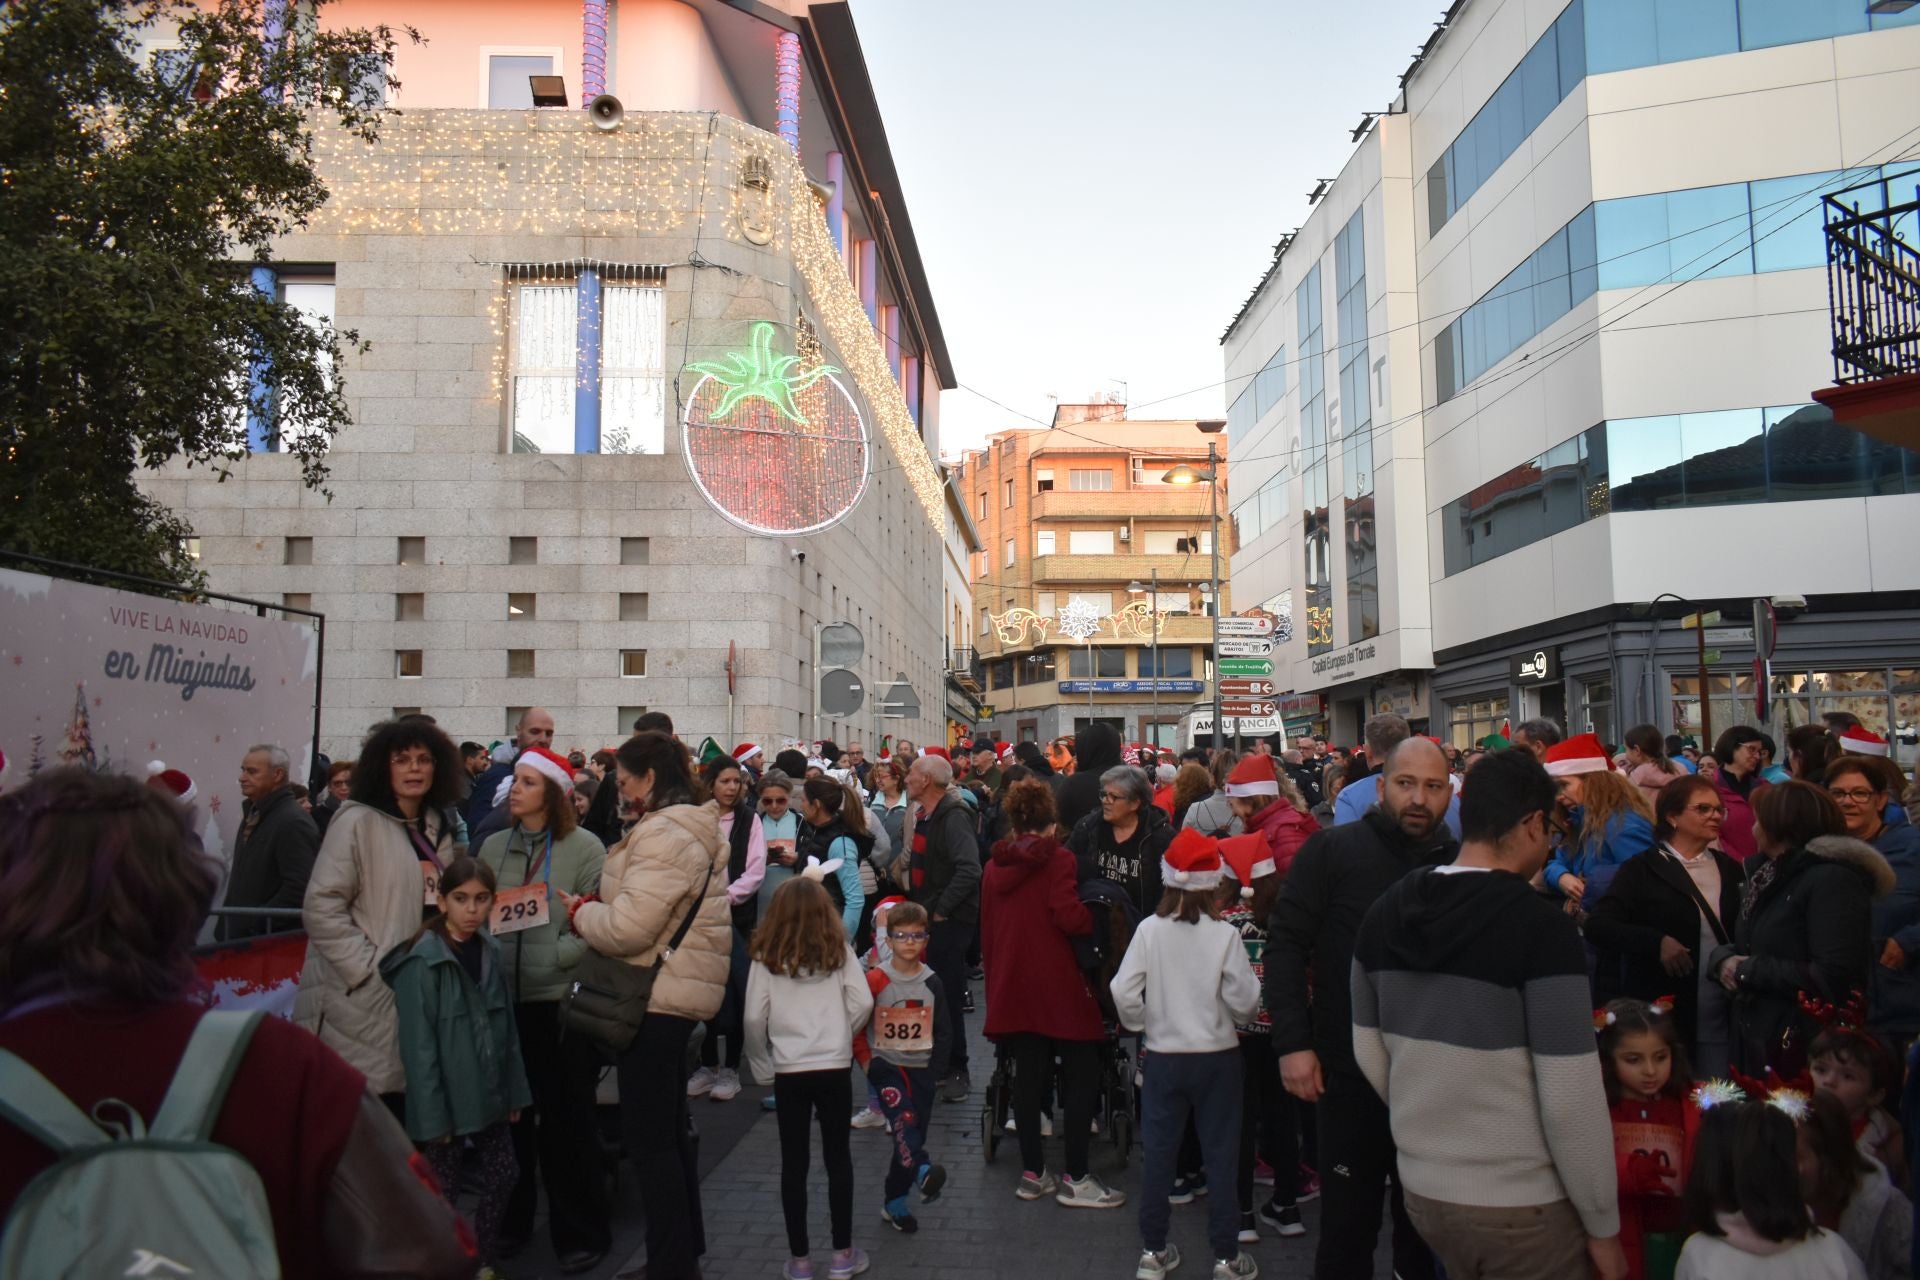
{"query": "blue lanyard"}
pixel 546 860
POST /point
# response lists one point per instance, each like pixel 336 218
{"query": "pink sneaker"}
pixel 1309 1185
pixel 1263 1173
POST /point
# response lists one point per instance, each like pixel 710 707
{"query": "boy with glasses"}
pixel 904 1051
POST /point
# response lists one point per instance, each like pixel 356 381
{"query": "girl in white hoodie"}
pixel 807 998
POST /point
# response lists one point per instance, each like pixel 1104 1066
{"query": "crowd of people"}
pixel 1546 1005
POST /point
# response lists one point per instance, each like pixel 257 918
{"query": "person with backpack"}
pixel 1039 1007
pixel 1213 815
pixel 229 1144
pixel 466 1083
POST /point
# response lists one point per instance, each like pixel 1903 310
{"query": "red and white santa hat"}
pixel 1001 751
pixel 546 762
pixel 172 781
pixel 1192 861
pixel 1248 857
pixel 1582 753
pixel 745 752
pixel 1253 776
pixel 1863 742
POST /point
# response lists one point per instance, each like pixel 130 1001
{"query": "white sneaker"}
pixel 1046 1125
pixel 1154 1266
pixel 1239 1267
pixel 726 1085
pixel 868 1118
pixel 1034 1186
pixel 701 1083
pixel 1089 1193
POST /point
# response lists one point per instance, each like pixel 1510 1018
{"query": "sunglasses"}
pixel 772 802
pixel 907 935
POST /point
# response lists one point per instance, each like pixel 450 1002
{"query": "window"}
pixel 1316 546
pixel 636 551
pixel 1270 384
pixel 520 664
pixel 1043 542
pixel 1556 277
pixel 513 719
pixel 1090 542
pixel 520 606
pixel 1268 508
pixel 1043 481
pixel 624 718
pixel 407 663
pixel 410 551
pixel 1043 604
pixel 980 507
pixel 508 87
pixel 1009 553
pixel 582 336
pixel 1008 486
pixel 523 551
pixel 1149 473
pixel 1088 480
pixel 633 662
pixel 401 712
pixel 1782 454
pixel 410 606
pixel 1175 664
pixel 1162 542
pixel 1173 604
pixel 297 600
pixel 1356 450
pixel 1037 668
pixel 1472 719
pixel 1101 602
pixel 1596 707
pixel 1106 664
pixel 299 551
pixel 633 606
pixel 1000 675
pixel 192 548
pixel 311 299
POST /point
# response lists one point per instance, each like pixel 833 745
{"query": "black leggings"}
pixel 1266 1124
pixel 798 1097
pixel 653 1121
pixel 1033 1057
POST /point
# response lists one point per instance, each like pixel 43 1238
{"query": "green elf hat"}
pixel 709 752
pixel 1494 742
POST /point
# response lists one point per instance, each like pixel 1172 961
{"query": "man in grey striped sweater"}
pixel 1472 1019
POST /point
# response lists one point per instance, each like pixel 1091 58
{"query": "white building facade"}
pixel 1611 243
pixel 524 511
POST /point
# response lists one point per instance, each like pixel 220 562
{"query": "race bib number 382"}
pixel 523 908
pixel 908 1026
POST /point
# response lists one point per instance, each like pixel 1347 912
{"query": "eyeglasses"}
pixel 1707 810
pixel 1854 797
pixel 907 935
pixel 1110 797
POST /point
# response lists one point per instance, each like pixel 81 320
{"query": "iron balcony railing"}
pixel 1873 283
pixel 966 669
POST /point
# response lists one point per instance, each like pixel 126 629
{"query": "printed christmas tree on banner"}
pixel 78 748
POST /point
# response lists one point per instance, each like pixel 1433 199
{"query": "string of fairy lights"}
pixel 663 181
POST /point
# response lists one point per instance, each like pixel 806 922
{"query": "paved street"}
pixel 977 1228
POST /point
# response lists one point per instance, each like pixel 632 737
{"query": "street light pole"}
pixel 1213 503
pixel 1153 614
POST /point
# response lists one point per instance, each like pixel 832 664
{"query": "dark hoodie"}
pixel 1096 749
pixel 1470 1019
pixel 1029 912
pixel 1133 864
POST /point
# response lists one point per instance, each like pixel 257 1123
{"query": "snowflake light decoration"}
pixel 1079 621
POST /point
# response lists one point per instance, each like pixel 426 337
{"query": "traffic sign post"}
pixel 1247 707
pixel 1246 689
pixel 1245 648
pixel 1250 626
pixel 1232 667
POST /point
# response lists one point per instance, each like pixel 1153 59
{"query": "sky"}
pixel 1097 187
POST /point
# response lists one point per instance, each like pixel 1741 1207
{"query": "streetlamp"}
pixel 1184 474
pixel 1700 651
pixel 1153 613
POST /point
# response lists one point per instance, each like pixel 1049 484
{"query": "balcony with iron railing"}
pixel 966 670
pixel 1873 286
pixel 1151 502
pixel 1873 295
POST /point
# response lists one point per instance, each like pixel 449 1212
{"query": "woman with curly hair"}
pixel 378 867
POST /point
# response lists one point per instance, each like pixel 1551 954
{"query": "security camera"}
pixel 801 556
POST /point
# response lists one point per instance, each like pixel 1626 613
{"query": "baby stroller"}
pixel 1117 1109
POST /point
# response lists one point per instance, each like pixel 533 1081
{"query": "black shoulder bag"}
pixel 609 997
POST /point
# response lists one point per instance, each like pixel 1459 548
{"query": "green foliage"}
pixel 132 195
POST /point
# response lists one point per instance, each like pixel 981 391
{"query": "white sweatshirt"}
pixel 805 1023
pixel 1186 985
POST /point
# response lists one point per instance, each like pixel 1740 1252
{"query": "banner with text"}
pixel 115 680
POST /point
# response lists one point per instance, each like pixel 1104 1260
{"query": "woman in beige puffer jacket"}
pixel 652 880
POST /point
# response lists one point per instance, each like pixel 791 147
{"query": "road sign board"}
pixel 1246 688
pixel 1244 667
pixel 1245 648
pixel 899 702
pixel 1250 626
pixel 1694 620
pixel 841 645
pixel 1711 655
pixel 840 693
pixel 1247 707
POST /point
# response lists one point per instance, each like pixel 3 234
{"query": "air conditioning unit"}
pixel 1126 535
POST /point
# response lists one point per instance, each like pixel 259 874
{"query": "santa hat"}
pixel 1002 751
pixel 938 751
pixel 1191 862
pixel 1253 776
pixel 745 752
pixel 1248 857
pixel 1863 742
pixel 1581 753
pixel 546 762
pixel 172 781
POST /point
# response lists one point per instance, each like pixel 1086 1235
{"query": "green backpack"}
pixel 126 1200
